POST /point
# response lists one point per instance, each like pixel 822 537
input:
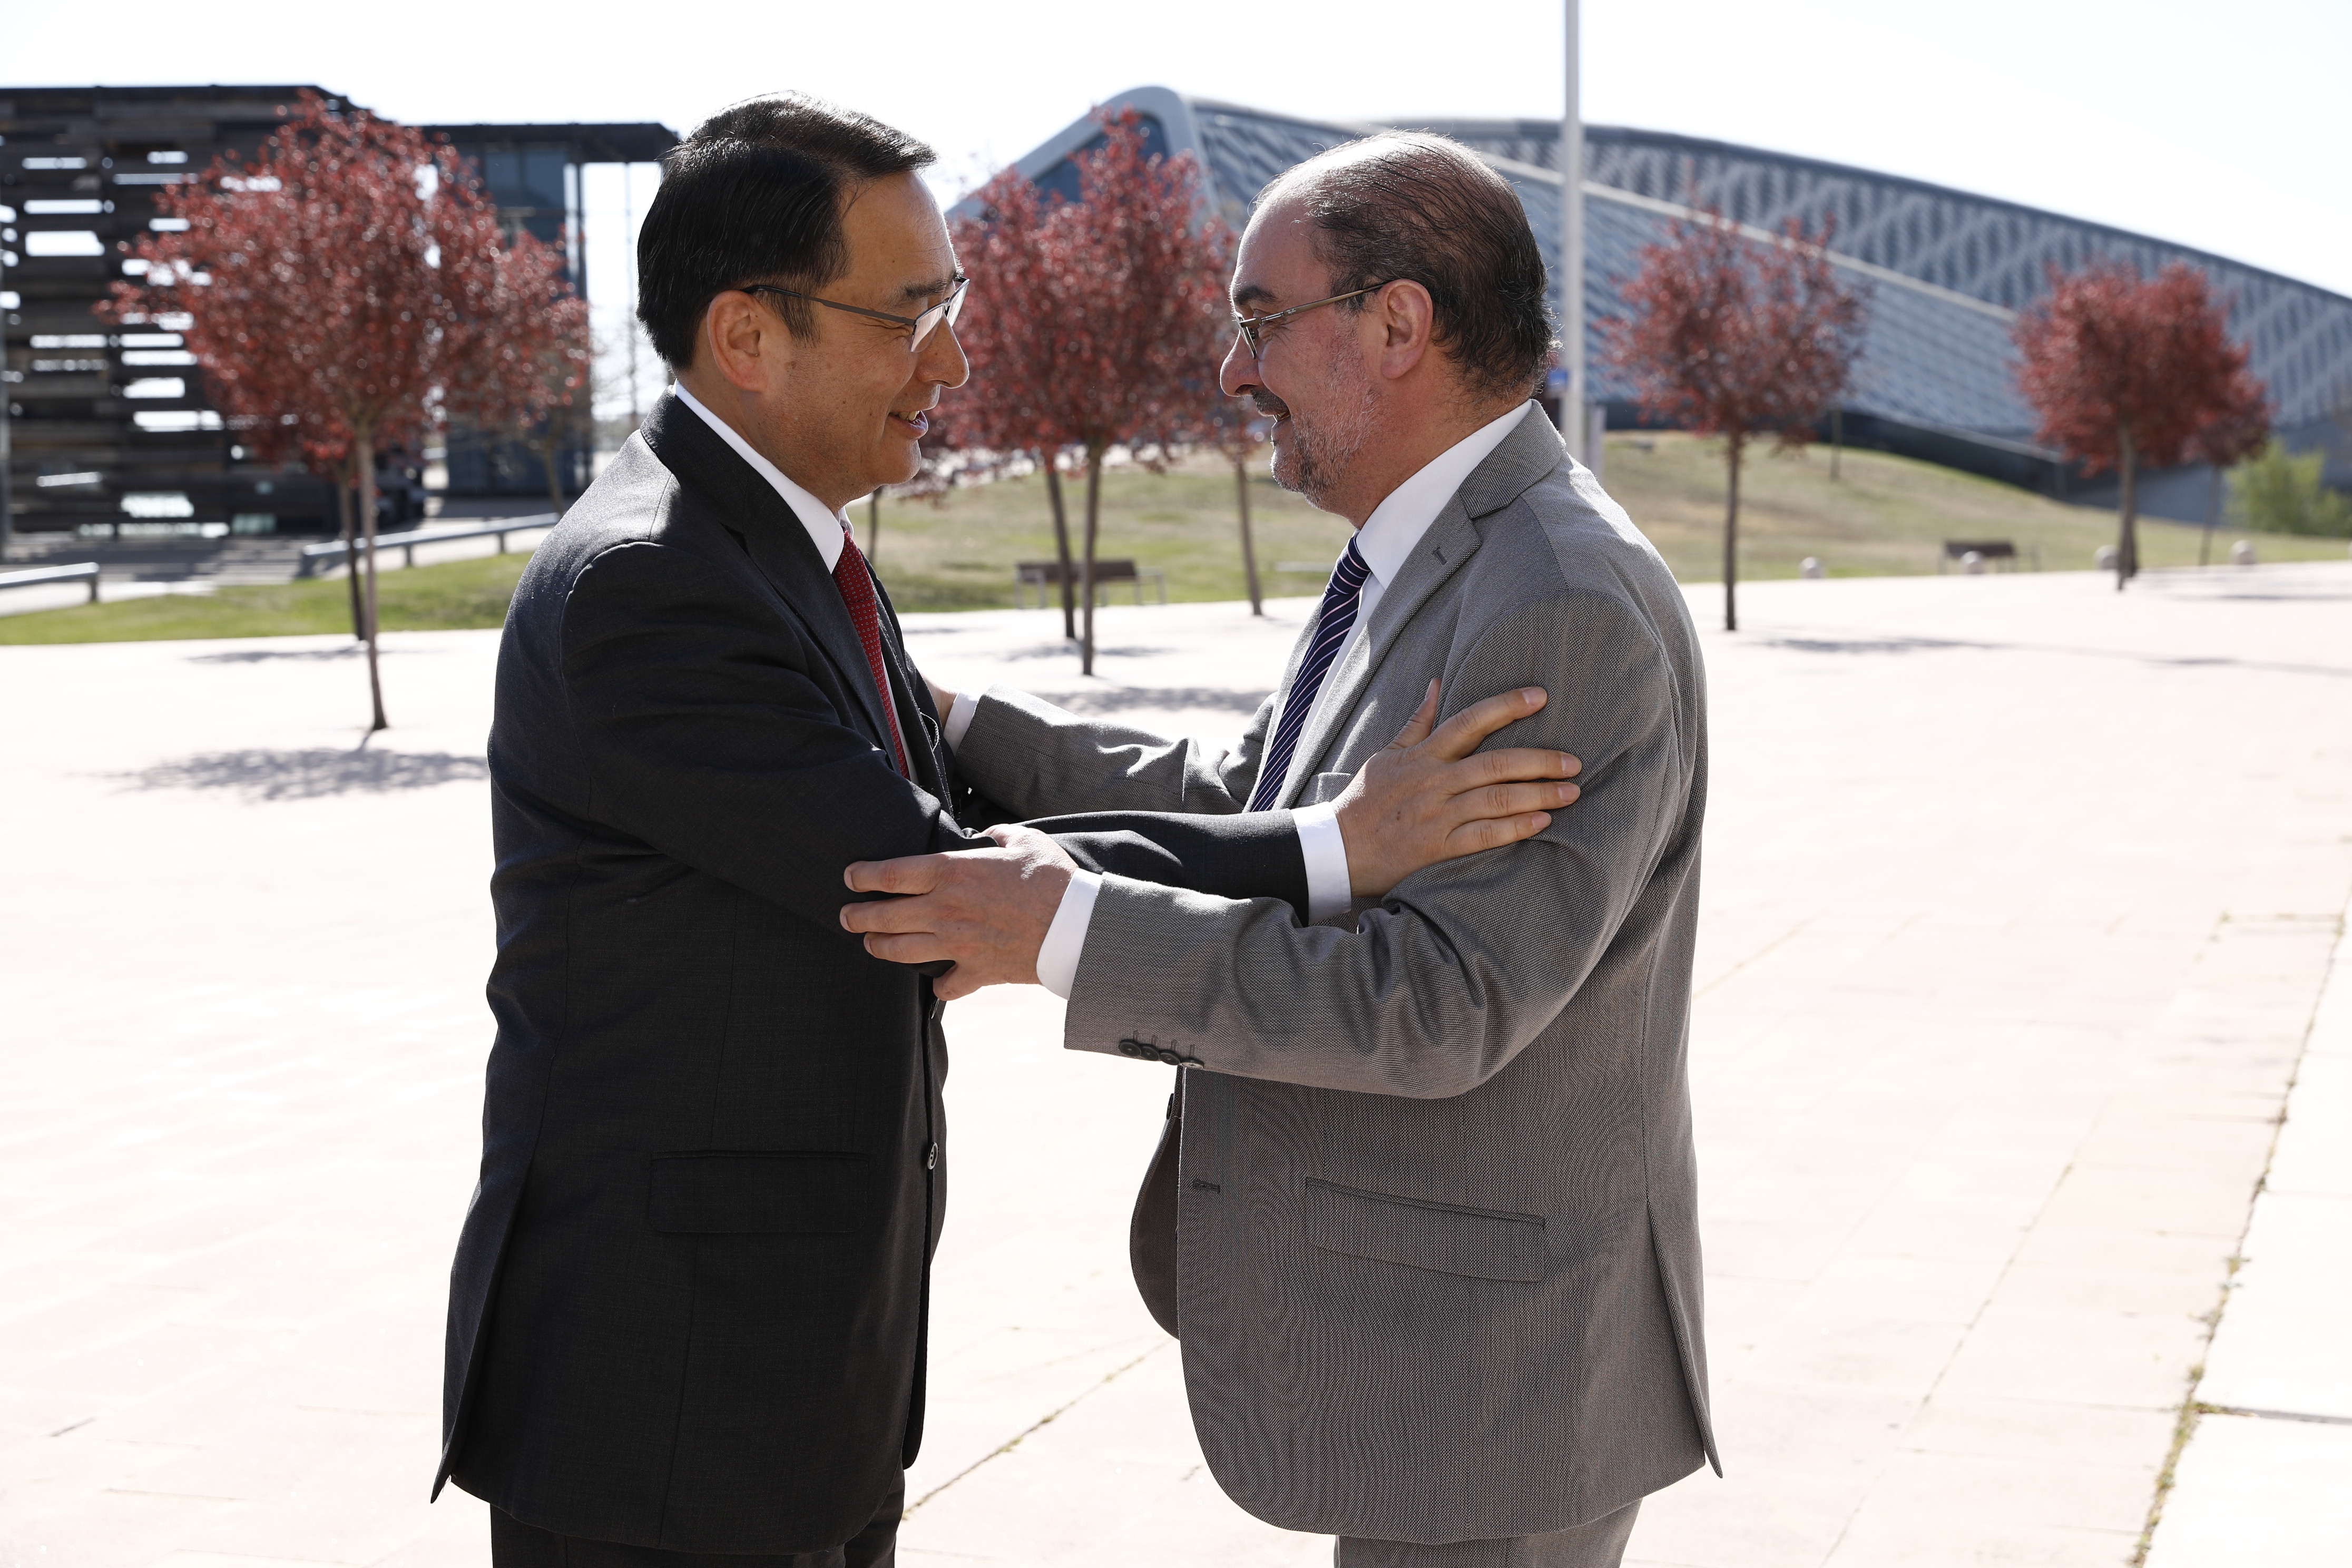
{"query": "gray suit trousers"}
pixel 1596 1544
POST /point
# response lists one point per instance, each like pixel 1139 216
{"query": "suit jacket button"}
pixel 932 1158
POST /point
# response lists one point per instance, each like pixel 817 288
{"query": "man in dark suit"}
pixel 687 1308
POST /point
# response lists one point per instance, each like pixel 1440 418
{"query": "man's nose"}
pixel 943 357
pixel 1238 374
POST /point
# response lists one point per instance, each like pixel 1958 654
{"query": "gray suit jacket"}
pixel 1438 1264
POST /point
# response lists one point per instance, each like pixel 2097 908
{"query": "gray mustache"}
pixel 1270 406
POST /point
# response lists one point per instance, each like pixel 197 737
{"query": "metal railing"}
pixel 316 556
pixel 81 571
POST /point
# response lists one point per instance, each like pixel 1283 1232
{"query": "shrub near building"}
pixel 2279 491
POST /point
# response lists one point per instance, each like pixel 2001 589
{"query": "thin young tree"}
pixel 1742 338
pixel 2223 443
pixel 324 280
pixel 1116 291
pixel 1012 352
pixel 1232 428
pixel 2126 372
pixel 519 356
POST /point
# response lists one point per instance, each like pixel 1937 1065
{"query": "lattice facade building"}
pixel 1947 271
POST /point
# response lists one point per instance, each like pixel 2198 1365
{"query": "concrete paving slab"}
pixel 2011 880
pixel 2282 1345
pixel 2257 1491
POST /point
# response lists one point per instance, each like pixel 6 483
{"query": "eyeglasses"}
pixel 918 327
pixel 1252 328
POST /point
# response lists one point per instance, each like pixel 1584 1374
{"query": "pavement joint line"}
pixel 1039 1425
pixel 2191 1408
pixel 2275 1415
pixel 1761 953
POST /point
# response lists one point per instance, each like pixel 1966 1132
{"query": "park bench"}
pixel 1044 574
pixel 1991 552
pixel 331 553
pixel 78 571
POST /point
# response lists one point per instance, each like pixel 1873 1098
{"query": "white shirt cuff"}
pixel 1325 849
pixel 1065 939
pixel 959 718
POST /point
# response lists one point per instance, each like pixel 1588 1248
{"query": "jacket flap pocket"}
pixel 1485 1244
pixel 788 1193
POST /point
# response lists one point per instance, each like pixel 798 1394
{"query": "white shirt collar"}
pixel 826 528
pixel 1391 534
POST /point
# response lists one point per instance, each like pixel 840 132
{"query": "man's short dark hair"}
pixel 755 195
pixel 1407 205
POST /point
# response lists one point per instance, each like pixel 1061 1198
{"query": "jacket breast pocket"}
pixel 788 1193
pixel 1484 1243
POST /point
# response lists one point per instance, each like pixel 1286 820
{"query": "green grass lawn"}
pixel 428 598
pixel 1884 516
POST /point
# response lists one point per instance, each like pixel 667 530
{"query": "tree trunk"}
pixel 351 558
pixel 1837 440
pixel 874 526
pixel 1086 580
pixel 548 452
pixel 2127 504
pixel 1062 545
pixel 364 449
pixel 2212 518
pixel 1731 540
pixel 1249 550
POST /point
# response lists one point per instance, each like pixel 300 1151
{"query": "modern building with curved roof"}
pixel 1946 271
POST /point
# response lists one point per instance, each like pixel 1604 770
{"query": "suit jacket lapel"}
pixel 778 546
pixel 1530 451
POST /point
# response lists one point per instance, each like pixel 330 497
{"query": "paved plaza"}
pixel 2020 899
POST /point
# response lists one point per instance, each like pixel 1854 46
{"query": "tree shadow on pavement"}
pixel 1126 699
pixel 307 774
pixel 308 655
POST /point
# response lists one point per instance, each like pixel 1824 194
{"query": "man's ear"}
pixel 738 336
pixel 1408 316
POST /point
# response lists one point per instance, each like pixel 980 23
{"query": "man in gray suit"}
pixel 1437 1264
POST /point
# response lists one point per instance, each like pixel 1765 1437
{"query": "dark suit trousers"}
pixel 514 1544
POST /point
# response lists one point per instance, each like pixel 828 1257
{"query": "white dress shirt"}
pixel 1394 531
pixel 826 529
pixel 1386 541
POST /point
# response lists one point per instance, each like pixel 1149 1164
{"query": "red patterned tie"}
pixel 856 585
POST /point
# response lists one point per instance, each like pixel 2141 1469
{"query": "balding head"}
pixel 1406 204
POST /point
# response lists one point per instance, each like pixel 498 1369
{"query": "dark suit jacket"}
pixel 688 1301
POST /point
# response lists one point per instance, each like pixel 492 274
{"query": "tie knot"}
pixel 1350 575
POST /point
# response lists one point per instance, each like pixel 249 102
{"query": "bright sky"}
pixel 2220 127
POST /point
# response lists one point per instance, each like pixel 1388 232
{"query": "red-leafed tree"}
pixel 326 280
pixel 2126 372
pixel 1741 337
pixel 519 356
pixel 1005 410
pixel 1094 320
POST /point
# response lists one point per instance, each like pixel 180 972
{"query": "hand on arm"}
pixel 987 909
pixel 1431 796
pixel 1426 798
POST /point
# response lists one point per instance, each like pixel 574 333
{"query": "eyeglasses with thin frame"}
pixel 919 327
pixel 1252 328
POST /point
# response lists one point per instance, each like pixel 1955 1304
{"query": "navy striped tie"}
pixel 1340 600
